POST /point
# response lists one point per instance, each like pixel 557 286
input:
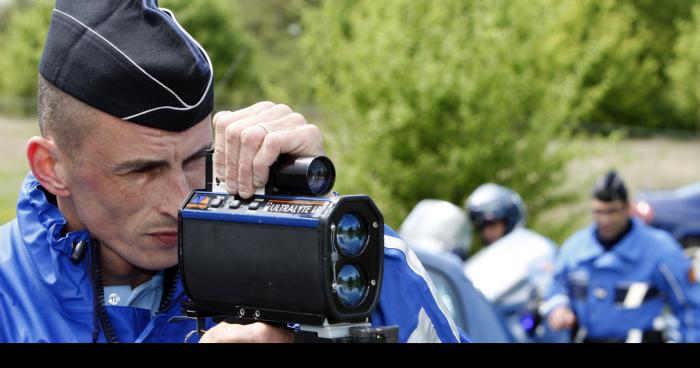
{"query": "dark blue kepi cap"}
pixel 130 59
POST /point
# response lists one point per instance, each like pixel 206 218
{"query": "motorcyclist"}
pixel 515 267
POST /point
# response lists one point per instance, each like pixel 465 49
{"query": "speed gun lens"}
pixel 319 177
pixel 352 235
pixel 351 286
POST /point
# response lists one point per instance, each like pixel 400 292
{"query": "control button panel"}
pixel 216 202
pixel 264 205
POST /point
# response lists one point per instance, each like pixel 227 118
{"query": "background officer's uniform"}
pixel 612 292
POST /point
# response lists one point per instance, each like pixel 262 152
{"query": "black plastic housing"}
pixel 275 266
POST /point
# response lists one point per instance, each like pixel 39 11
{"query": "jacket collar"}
pixel 628 249
pixel 41 224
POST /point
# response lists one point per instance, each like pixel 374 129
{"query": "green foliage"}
pixel 685 70
pixel 22 39
pixel 431 101
pixel 214 23
pixel 276 26
pixel 638 94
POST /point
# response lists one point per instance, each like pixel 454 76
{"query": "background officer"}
pixel 613 277
pixel 495 211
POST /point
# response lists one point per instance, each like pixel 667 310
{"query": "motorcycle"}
pixel 514 273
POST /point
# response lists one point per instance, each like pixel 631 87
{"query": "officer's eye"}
pixel 195 160
pixel 147 169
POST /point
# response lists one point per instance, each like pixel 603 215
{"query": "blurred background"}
pixel 429 99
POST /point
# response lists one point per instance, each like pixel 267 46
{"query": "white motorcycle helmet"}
pixel 438 226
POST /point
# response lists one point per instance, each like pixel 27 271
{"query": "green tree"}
pixel 685 70
pixel 431 100
pixel 21 41
pixel 638 95
pixel 276 25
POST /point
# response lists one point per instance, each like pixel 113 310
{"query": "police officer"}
pixel 614 277
pixel 125 104
pixel 515 268
pixel 495 211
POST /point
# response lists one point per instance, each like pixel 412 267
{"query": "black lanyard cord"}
pixel 170 279
pixel 101 316
pixel 102 321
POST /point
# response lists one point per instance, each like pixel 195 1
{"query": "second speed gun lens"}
pixel 351 286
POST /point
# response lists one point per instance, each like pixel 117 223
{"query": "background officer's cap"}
pixel 129 59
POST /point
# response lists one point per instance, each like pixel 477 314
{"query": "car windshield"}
pixel 447 294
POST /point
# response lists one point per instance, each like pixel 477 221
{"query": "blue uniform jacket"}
pixel 626 287
pixel 44 297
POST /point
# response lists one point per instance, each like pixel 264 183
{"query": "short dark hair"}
pixel 64 118
pixel 610 187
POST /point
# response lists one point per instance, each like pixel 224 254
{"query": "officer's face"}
pixel 128 184
pixel 492 231
pixel 611 218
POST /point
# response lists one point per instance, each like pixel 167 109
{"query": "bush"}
pixel 275 26
pixel 685 70
pixel 22 41
pixel 638 95
pixel 431 101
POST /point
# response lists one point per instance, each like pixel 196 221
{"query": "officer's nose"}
pixel 174 192
pixel 607 220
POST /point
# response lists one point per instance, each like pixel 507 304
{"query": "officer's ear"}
pixel 44 160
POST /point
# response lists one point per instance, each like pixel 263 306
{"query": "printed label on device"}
pixel 294 207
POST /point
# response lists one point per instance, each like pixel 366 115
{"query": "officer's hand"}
pixel 248 142
pixel 253 333
pixel 561 317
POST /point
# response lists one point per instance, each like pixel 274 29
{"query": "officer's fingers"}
pixel 556 319
pixel 234 144
pixel 569 318
pixel 563 318
pixel 265 333
pixel 274 144
pixel 304 140
pixel 252 333
pixel 251 140
pixel 278 117
pixel 553 322
pixel 216 333
pixel 221 121
pixel 286 122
